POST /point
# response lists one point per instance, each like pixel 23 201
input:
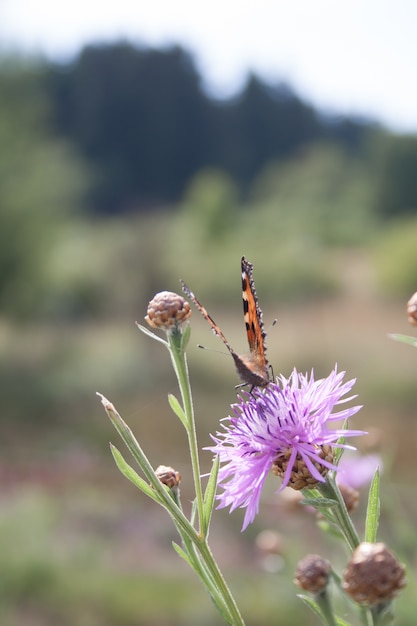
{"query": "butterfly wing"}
pixel 255 332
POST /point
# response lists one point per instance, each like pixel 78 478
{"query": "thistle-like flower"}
pixel 284 427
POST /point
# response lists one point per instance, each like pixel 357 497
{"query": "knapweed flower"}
pixel 284 427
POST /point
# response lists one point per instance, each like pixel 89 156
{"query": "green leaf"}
pixel 210 494
pixel 185 337
pixel 341 622
pixel 373 510
pixel 411 341
pixel 131 475
pixel 312 604
pixel 148 332
pixel 183 554
pixel 319 503
pixel 177 408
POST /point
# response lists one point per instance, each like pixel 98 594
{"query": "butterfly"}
pixel 252 368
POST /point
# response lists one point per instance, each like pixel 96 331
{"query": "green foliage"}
pixel 395 256
pixel 394 162
pixel 300 210
pixel 41 182
pixel 323 194
pixel 143 119
pixel 210 206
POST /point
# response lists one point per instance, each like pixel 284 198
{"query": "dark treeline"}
pixel 144 122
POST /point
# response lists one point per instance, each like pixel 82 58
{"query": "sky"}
pixel 355 57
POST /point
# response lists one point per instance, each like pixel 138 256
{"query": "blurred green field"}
pixel 333 264
pixel 79 544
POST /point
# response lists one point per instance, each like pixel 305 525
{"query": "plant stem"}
pixel 179 361
pixel 329 489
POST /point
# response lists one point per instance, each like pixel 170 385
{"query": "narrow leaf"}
pixel 411 341
pixel 177 408
pixel 148 332
pixel 319 503
pixel 210 494
pixel 372 512
pixel 183 554
pixel 341 622
pixel 312 604
pixel 131 475
pixel 185 337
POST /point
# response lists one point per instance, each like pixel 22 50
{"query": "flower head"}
pixel 167 310
pixel 286 427
pixel 373 575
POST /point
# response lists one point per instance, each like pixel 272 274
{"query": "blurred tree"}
pixel 141 117
pixel 395 162
pixel 262 124
pixel 41 181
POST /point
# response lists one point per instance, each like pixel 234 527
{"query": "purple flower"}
pixel 287 422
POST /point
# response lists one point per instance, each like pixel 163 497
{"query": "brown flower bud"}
pixel 168 476
pixel 301 477
pixel 312 573
pixel 167 310
pixel 373 575
pixel 412 309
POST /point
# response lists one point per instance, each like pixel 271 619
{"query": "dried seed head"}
pixel 168 476
pixel 167 310
pixel 301 477
pixel 373 575
pixel 312 573
pixel 412 309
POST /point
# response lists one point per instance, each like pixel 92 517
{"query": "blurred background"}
pixel 142 144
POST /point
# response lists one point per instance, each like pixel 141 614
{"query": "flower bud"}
pixel 312 573
pixel 168 476
pixel 167 310
pixel 412 309
pixel 373 575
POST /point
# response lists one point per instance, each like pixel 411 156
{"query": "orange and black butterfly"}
pixel 253 368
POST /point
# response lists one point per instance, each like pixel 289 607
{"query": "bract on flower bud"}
pixel 168 476
pixel 167 310
pixel 312 573
pixel 373 575
pixel 301 477
pixel 412 309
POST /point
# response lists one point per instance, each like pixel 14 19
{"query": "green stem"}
pixel 179 361
pixel 329 489
pixel 220 584
pixel 323 602
pixel 218 588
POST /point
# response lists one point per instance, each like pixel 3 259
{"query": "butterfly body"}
pixel 252 368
